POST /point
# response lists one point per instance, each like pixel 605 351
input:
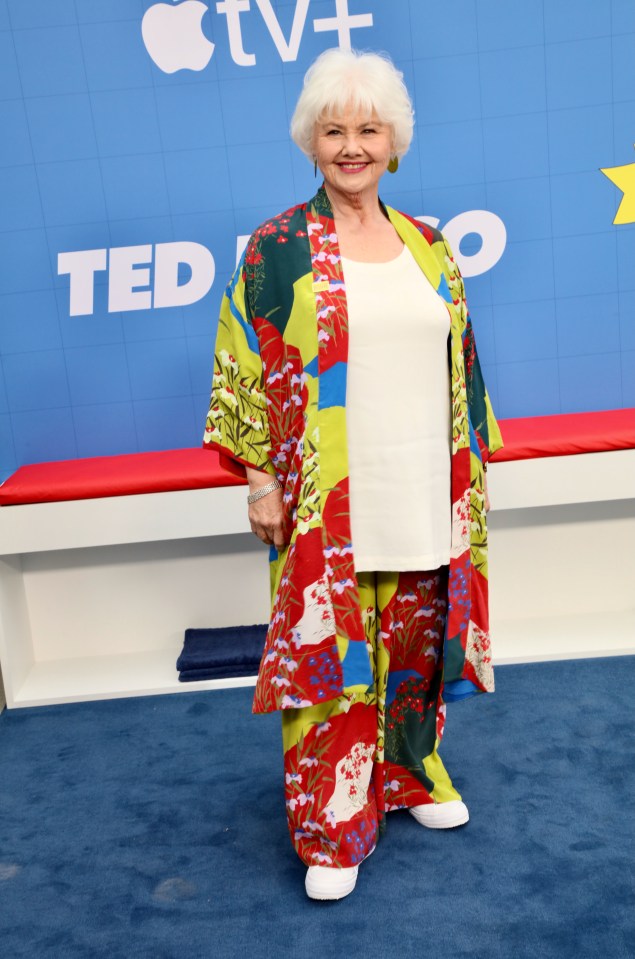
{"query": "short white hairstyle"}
pixel 367 82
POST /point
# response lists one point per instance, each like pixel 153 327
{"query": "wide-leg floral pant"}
pixel 350 760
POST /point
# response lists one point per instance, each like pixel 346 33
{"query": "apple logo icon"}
pixel 174 38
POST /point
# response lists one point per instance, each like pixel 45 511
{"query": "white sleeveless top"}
pixel 398 416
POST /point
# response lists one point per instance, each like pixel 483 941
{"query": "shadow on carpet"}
pixel 154 828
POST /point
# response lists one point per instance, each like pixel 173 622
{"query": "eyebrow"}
pixel 360 126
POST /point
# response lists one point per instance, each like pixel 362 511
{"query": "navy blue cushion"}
pixel 223 652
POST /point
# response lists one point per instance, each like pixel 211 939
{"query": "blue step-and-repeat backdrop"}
pixel 142 141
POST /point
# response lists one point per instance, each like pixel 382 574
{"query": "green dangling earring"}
pixel 314 166
pixel 393 164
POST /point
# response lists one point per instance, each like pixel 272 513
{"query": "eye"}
pixel 333 132
pixel 369 130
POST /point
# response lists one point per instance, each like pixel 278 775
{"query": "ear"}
pixel 393 141
pixel 313 150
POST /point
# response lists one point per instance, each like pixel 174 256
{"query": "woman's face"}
pixel 352 150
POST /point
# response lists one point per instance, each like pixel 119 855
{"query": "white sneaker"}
pixel 441 815
pixel 326 882
pixel 329 882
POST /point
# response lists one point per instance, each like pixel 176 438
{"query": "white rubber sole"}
pixel 442 815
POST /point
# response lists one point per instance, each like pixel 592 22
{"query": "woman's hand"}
pixel 266 515
pixel 487 502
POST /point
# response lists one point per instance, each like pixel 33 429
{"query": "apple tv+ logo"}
pixel 173 33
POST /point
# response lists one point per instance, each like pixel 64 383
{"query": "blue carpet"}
pixel 154 827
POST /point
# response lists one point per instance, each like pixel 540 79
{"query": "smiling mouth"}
pixel 352 167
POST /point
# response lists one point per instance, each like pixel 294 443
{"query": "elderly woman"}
pixel 348 390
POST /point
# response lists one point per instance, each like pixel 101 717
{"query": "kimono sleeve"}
pixel 482 419
pixel 237 422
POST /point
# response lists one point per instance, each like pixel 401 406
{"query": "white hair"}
pixel 367 82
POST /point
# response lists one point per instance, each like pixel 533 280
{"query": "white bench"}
pixel 95 594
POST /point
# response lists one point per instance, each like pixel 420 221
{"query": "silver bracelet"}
pixel 269 488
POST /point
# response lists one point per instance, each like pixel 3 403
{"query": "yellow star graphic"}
pixel 624 178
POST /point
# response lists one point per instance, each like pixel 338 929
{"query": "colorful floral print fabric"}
pixel 350 760
pixel 278 404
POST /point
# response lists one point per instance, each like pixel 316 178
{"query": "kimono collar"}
pixel 409 230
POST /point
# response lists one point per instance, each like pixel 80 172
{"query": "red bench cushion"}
pixel 566 433
pixel 116 476
pixel 200 468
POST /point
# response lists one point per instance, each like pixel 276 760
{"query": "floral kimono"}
pixel 279 404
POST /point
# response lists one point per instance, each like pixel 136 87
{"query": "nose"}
pixel 351 145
